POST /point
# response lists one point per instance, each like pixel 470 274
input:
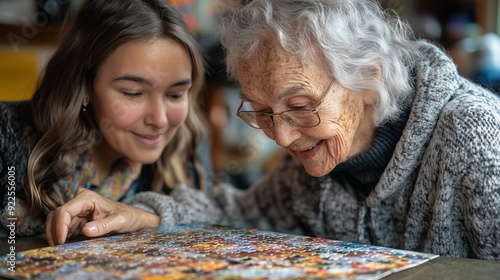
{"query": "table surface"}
pixel 438 268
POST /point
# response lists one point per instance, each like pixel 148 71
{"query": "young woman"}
pixel 115 112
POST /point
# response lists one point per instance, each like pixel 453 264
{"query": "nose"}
pixel 156 114
pixel 283 132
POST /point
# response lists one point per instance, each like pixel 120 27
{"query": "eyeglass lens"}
pixel 300 118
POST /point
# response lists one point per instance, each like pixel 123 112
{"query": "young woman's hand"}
pixel 95 215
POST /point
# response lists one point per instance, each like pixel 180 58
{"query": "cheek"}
pixel 116 115
pixel 342 126
pixel 349 113
pixel 177 115
pixel 353 114
pixel 118 108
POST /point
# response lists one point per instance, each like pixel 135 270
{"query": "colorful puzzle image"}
pixel 202 251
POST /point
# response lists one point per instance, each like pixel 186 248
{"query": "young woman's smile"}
pixel 149 141
pixel 140 99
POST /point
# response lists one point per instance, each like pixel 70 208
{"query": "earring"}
pixel 85 103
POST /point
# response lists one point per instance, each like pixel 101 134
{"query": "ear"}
pixel 86 99
pixel 370 96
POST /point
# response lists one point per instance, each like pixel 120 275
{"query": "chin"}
pixel 145 159
pixel 149 161
pixel 317 172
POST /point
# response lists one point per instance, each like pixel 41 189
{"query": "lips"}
pixel 148 140
pixel 311 151
pixel 149 136
pixel 308 149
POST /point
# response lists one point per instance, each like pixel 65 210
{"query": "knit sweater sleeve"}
pixel 184 205
pixel 267 205
pixel 470 163
pixel 275 202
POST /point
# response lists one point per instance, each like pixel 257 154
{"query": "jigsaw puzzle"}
pixel 202 251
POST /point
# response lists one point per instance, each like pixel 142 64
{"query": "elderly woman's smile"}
pixel 286 83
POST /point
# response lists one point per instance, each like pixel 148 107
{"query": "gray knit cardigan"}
pixel 440 192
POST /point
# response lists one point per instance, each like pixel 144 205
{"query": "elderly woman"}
pixel 387 144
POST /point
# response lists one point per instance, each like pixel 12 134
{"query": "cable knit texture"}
pixel 439 193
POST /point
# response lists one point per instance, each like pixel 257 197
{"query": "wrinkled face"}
pixel 280 81
pixel 140 98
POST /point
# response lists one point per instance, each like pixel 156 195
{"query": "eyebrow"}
pixel 288 92
pixel 186 82
pixel 142 80
pixel 246 98
pixel 136 79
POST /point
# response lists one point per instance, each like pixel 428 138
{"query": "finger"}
pixel 77 223
pixel 62 225
pixel 48 230
pixel 112 223
pixel 55 230
pixel 123 219
pixel 75 227
pixel 83 203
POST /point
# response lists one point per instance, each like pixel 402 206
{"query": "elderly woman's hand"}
pixel 95 215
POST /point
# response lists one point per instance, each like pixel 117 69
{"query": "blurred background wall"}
pixel 467 30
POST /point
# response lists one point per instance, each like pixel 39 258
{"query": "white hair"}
pixel 363 46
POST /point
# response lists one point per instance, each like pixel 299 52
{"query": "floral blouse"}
pixel 120 185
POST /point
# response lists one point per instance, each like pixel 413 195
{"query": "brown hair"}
pixel 63 131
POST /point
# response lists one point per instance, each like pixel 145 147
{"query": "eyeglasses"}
pixel 300 118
